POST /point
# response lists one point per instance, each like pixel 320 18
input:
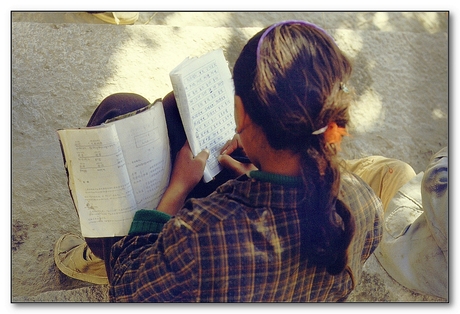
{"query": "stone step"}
pixel 418 22
pixel 96 293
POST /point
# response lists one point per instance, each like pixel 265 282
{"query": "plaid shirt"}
pixel 241 244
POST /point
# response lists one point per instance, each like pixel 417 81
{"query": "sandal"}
pixel 74 258
pixel 119 18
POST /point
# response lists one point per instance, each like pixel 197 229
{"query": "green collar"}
pixel 276 178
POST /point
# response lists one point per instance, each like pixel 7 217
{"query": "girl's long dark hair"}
pixel 290 90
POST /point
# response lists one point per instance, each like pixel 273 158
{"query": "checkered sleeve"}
pixel 154 268
pixel 368 214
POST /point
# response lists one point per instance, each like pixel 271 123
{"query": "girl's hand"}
pixel 186 173
pixel 188 170
pixel 238 163
pixel 232 145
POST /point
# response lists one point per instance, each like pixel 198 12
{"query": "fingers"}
pixel 228 162
pixel 228 148
pixel 186 173
pixel 237 167
pixel 203 156
pixel 187 155
pixel 232 145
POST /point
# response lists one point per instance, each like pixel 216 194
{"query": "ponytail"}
pixel 327 225
pixel 291 79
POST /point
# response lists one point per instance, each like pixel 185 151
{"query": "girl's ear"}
pixel 241 117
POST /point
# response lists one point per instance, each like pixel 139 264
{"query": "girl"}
pixel 294 225
pixel 296 229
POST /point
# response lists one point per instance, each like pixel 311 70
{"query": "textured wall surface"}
pixel 64 64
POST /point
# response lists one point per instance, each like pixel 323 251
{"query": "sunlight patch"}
pixel 350 42
pixel 438 114
pixel 367 111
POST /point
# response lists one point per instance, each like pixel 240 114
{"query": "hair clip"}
pixel 344 88
pixel 320 131
pixel 332 133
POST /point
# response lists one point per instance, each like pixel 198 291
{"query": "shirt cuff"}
pixel 148 221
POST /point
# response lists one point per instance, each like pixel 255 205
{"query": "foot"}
pixel 119 18
pixel 74 258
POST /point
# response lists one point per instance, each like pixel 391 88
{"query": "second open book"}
pixel 124 165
